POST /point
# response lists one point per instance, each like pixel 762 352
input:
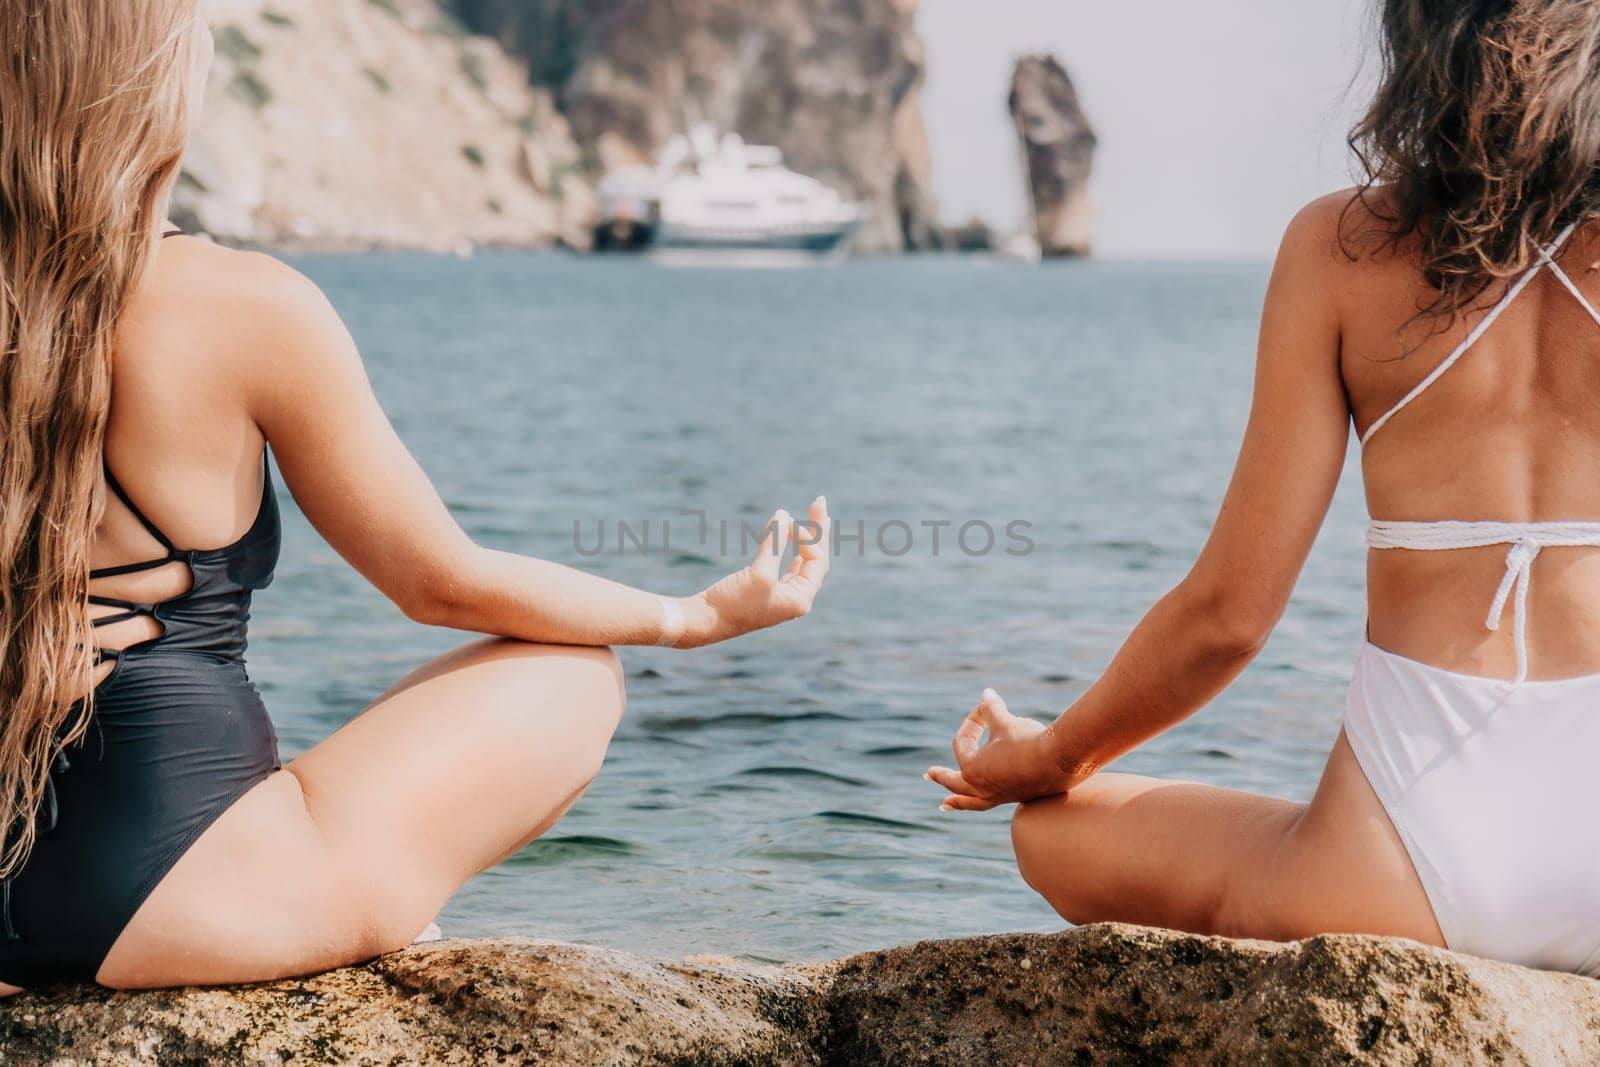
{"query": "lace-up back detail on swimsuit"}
pixel 1526 539
pixel 209 616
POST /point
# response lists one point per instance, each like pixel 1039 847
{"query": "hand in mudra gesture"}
pixel 764 593
pixel 1014 765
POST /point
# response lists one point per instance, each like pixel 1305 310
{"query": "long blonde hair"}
pixel 93 120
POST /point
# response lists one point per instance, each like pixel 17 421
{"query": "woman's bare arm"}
pixel 1203 633
pixel 366 494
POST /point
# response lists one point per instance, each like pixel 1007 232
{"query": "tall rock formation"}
pixel 1058 146
pixel 835 83
pixel 376 123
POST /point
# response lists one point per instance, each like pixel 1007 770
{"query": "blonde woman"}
pixel 154 839
pixel 1447 311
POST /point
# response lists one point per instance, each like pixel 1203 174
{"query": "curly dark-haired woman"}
pixel 1446 308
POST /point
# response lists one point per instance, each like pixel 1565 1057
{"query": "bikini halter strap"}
pixel 144 520
pixel 1546 259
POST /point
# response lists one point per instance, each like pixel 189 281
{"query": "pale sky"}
pixel 1216 120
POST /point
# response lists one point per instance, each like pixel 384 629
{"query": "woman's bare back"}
pixel 1511 432
pixel 181 437
pixel 180 440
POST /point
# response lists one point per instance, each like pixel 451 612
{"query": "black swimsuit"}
pixel 178 734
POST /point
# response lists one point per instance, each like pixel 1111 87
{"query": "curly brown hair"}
pixel 1484 138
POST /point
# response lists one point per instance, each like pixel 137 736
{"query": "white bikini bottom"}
pixel 1492 787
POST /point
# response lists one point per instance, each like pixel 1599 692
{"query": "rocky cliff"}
pixel 1095 995
pixel 1058 146
pixel 835 83
pixel 363 123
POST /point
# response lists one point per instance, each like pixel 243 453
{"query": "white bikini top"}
pixel 1525 538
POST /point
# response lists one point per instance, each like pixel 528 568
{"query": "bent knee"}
pixel 576 690
pixel 604 677
pixel 1046 861
pixel 1029 824
pixel 590 679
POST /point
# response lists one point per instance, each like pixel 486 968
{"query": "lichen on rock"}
pixel 1105 994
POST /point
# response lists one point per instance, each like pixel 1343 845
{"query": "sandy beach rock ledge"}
pixel 1104 994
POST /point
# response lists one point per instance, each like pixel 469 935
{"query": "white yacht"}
pixel 711 196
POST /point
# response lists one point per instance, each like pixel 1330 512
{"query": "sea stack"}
pixel 1058 146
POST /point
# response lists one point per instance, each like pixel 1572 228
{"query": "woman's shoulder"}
pixel 255 306
pixel 236 281
pixel 1344 240
pixel 230 323
pixel 1352 223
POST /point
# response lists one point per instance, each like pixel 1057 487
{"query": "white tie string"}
pixel 1519 575
pixel 1526 539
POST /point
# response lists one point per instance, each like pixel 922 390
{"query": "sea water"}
pixel 1021 460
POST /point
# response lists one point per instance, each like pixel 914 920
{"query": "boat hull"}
pixel 683 246
pixel 820 241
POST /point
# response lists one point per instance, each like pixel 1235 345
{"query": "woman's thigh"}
pixel 354 846
pixel 1209 860
pixel 1348 847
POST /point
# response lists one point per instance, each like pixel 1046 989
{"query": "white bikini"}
pixel 1490 782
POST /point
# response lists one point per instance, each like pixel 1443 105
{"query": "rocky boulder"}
pixel 1058 146
pixel 378 123
pixel 836 84
pixel 1096 995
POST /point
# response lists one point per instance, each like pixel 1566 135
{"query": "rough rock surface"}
pixel 1113 994
pixel 376 123
pixel 1058 146
pixel 1096 995
pixel 835 83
